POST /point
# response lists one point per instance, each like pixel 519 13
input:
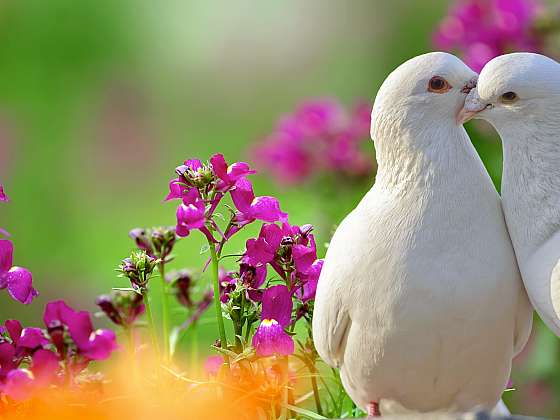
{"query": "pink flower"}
pixel 3 196
pixel 190 213
pixel 228 175
pixel 17 280
pixel 92 344
pixel 252 208
pixel 484 29
pixel 213 364
pixel 21 383
pixel 320 136
pixel 270 337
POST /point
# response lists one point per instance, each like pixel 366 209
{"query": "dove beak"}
pixel 472 106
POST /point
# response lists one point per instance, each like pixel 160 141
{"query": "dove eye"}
pixel 438 84
pixel 509 97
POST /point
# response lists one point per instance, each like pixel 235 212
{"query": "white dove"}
pixel 420 303
pixel 519 94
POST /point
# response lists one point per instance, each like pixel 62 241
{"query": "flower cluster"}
pixel 201 187
pixel 484 29
pixel 291 253
pixel 34 358
pixel 320 136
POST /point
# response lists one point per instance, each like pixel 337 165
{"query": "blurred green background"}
pixel 100 100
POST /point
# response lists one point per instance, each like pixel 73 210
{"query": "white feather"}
pixel 420 302
pixel 530 132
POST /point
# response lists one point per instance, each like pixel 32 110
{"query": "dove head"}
pixel 423 94
pixel 516 93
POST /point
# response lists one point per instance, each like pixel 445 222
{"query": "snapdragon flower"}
pixel 270 338
pixel 17 280
pixel 89 344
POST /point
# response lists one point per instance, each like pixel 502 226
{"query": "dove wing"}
pixel 523 322
pixel 541 274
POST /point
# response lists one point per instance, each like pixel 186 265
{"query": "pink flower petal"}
pixel 20 285
pixel 277 305
pixel 6 255
pixel 271 339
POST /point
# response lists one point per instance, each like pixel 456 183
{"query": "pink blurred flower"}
pixel 3 196
pixel 484 29
pixel 320 136
pixel 213 364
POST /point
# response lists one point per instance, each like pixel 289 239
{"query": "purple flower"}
pixel 227 284
pixel 270 337
pixel 121 307
pixel 20 383
pixel 190 213
pixel 310 280
pixel 320 136
pixel 92 344
pixel 3 196
pixel 484 29
pixel 187 173
pixel 228 175
pixel 17 280
pixel 252 208
pixel 253 278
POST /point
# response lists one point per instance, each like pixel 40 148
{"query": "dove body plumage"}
pixel 419 301
pixel 529 127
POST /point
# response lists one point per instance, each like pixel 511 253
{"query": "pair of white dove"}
pixel 420 302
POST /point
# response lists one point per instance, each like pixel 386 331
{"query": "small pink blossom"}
pixel 18 280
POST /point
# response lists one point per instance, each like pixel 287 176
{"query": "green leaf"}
pixel 304 412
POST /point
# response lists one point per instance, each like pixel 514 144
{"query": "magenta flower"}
pixel 121 307
pixel 17 280
pixel 21 383
pixel 270 337
pixel 26 339
pixel 190 213
pixel 484 29
pixel 3 196
pixel 228 175
pixel 92 344
pixel 227 284
pixel 189 171
pixel 310 280
pixel 319 137
pixel 252 208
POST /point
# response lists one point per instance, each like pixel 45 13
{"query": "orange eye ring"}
pixel 438 84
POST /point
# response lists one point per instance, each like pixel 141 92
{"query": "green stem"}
pixel 150 318
pixel 239 324
pixel 217 301
pixel 165 314
pixel 316 396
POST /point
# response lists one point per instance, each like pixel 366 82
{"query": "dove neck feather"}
pixel 531 183
pixel 420 152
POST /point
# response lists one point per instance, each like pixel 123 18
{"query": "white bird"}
pixel 519 94
pixel 419 302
